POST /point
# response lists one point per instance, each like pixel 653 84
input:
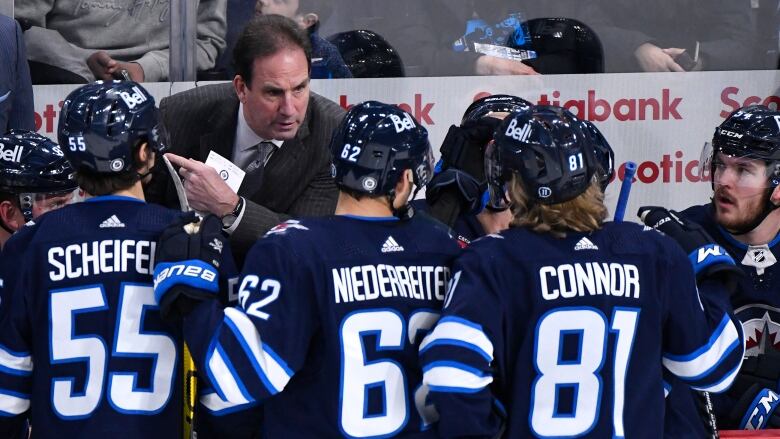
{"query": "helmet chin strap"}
pixel 769 207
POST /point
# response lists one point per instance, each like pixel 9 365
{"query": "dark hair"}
pixel 96 184
pixel 264 36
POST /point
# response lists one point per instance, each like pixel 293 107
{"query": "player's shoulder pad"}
pixel 631 238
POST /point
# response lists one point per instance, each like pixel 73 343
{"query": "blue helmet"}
pixel 494 104
pixel 374 144
pixel 102 123
pixel 32 163
pixel 604 155
pixel 548 149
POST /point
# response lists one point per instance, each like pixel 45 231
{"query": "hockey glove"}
pixel 756 410
pixel 462 163
pixel 185 271
pixel 708 258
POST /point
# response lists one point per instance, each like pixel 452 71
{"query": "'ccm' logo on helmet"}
pixel 11 155
pixel 134 99
pixel 407 123
pixel 519 134
pixel 731 134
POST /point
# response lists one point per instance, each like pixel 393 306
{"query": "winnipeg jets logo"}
pixel 761 326
pixel 217 245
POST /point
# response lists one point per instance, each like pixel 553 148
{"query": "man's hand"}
pixel 106 68
pixel 206 190
pixel 652 58
pixel 492 65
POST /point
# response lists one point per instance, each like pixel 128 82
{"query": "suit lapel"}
pixel 223 133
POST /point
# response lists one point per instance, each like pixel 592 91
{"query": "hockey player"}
pixel 561 325
pixel 743 162
pixel 35 178
pixel 331 310
pixel 83 350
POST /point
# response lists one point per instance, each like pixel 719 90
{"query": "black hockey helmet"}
pixel 32 166
pixel 30 162
pixel 374 144
pixel 604 155
pixel 550 151
pixel 494 104
pixel 751 132
pixel 564 45
pixel 368 55
pixel 101 124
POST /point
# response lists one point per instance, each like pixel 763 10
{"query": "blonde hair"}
pixel 585 213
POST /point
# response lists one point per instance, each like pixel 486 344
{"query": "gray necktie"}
pixel 261 155
pixel 254 171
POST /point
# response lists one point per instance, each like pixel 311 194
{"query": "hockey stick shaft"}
pixel 625 190
pixel 189 377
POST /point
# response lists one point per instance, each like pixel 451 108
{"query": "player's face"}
pixel 275 104
pixel 740 190
pixel 287 8
pixel 47 202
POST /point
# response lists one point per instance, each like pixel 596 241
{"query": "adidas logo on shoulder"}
pixel 585 244
pixel 111 222
pixel 391 245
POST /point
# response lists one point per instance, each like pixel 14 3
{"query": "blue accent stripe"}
pixel 101 198
pixel 698 352
pixel 250 356
pixel 372 218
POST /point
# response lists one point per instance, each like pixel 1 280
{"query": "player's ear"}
pixel 775 197
pixel 241 87
pixel 10 215
pixel 403 189
pixel 308 20
pixel 145 158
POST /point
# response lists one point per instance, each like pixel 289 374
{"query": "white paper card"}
pixel 232 174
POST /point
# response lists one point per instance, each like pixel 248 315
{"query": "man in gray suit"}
pixel 268 123
pixel 16 95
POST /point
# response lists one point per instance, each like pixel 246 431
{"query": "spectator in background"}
pixel 326 60
pixel 16 95
pixel 662 35
pixel 268 123
pixel 71 41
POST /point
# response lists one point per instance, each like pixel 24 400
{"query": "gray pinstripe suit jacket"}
pixel 16 95
pixel 296 179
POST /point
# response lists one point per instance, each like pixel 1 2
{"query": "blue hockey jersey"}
pixel 331 312
pixel 756 304
pixel 83 350
pixel 547 337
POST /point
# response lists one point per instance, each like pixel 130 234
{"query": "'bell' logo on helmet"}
pixel 11 155
pixel 134 99
pixel 407 123
pixel 544 192
pixel 519 134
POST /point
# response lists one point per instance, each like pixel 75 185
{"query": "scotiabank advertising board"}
pixel 658 120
